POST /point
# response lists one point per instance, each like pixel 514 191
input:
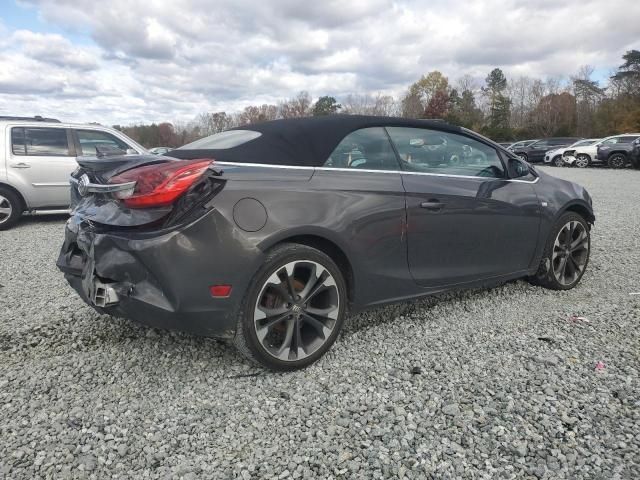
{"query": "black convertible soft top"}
pixel 302 141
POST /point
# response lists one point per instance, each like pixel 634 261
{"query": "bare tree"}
pixel 299 106
pixel 364 104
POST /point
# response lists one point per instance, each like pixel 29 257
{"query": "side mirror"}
pixel 131 151
pixel 518 168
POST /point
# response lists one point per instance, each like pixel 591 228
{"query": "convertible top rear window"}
pixel 223 140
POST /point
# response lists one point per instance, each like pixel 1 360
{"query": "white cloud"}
pixel 154 60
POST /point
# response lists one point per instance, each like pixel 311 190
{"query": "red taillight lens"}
pixel 160 184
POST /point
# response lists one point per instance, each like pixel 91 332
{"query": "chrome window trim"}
pixel 264 165
pixel 363 170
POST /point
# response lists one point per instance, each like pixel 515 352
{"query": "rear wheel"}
pixel 566 254
pixel 617 160
pixel 558 161
pixel 582 160
pixel 294 309
pixel 10 208
pixel 523 156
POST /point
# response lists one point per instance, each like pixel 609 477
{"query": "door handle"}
pixel 433 205
pixel 20 165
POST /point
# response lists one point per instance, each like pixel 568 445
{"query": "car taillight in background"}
pixel 159 185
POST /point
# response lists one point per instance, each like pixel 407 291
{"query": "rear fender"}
pixel 16 183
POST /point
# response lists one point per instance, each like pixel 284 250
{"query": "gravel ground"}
pixel 484 384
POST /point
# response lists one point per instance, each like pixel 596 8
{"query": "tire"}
pixel 554 272
pixel 10 208
pixel 266 344
pixel 582 160
pixel 558 161
pixel 617 160
pixel 523 156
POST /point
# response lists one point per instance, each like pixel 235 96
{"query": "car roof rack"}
pixel 36 118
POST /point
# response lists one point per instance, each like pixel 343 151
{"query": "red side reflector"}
pixel 220 291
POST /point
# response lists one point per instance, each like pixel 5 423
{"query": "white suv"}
pixel 586 155
pixel 37 155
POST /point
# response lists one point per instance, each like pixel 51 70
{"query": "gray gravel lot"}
pixel 483 384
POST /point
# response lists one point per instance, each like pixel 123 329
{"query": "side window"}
pixel 432 151
pixel 368 149
pixel 18 146
pixel 540 144
pixel 39 141
pixel 90 139
pixel 628 139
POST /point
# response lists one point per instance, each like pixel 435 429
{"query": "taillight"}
pixel 160 184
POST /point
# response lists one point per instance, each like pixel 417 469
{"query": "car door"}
pixel 361 199
pixel 466 220
pixel 39 164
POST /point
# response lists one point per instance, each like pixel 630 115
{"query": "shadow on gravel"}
pixel 86 331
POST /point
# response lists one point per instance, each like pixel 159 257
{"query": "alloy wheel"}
pixel 5 209
pixel 296 310
pixel 558 161
pixel 582 161
pixel 617 161
pixel 570 252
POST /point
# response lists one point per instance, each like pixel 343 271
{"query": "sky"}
pixel 131 61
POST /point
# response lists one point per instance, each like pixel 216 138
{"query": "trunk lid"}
pixel 105 211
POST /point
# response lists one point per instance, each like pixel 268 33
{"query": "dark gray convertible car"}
pixel 269 234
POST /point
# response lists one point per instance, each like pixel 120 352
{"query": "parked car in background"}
pixel 617 155
pixel 634 156
pixel 588 154
pixel 37 155
pixel 535 151
pixel 159 150
pixel 288 230
pixel 556 157
pixel 520 144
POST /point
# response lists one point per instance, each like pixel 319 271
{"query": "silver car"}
pixel 37 155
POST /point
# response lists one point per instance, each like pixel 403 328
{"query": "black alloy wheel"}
pixel 617 160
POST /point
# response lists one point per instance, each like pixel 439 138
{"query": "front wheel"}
pixel 558 161
pixel 566 254
pixel 294 309
pixel 582 161
pixel 617 160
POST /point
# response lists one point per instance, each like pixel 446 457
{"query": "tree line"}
pixel 501 108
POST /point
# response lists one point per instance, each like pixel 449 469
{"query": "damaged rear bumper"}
pixel 160 279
